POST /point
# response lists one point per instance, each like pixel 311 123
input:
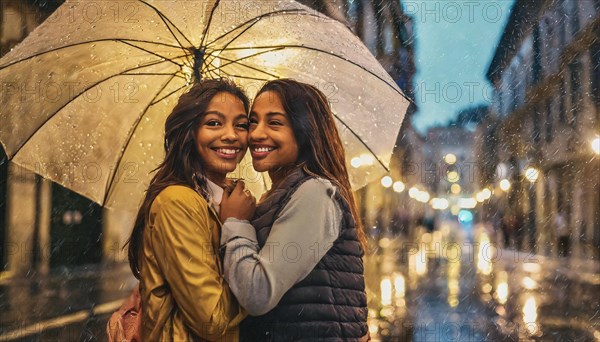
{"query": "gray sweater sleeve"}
pixel 302 234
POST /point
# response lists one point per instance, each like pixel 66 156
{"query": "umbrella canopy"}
pixel 85 96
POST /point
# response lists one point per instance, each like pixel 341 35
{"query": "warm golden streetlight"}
pixel 452 176
pixel 423 196
pixel 505 185
pixel 386 181
pixel 398 186
pixel 596 145
pixel 412 192
pixel 480 197
pixel 455 189
pixel 486 193
pixel 532 174
pixel 450 159
pixel 439 203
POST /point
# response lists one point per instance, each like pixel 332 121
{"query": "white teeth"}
pixel 263 149
pixel 227 151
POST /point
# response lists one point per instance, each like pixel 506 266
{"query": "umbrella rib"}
pixel 83 43
pixel 157 55
pixel 152 74
pixel 247 66
pixel 205 33
pixel 171 93
pixel 163 18
pixel 77 96
pixel 251 23
pixel 174 36
pixel 362 142
pixel 129 137
pixel 254 21
pixel 328 53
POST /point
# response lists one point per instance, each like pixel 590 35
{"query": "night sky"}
pixel 455 42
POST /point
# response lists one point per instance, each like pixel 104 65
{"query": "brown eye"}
pixel 213 123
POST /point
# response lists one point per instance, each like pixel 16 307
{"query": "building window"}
pixel 576 98
pixel 562 23
pixel 574 17
pixel 562 109
pixel 595 74
pixel 549 120
pixel 537 55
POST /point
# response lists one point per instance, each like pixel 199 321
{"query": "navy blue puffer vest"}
pixel 330 304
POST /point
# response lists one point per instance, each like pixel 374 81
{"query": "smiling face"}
pixel 222 136
pixel 272 142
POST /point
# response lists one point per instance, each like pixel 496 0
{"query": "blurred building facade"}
pixel 546 110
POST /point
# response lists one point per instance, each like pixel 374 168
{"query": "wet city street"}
pixel 448 286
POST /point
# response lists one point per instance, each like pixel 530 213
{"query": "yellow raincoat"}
pixel 184 295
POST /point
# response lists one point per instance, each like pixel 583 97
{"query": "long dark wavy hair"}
pixel 182 164
pixel 320 149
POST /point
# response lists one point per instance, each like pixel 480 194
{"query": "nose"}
pixel 257 133
pixel 229 133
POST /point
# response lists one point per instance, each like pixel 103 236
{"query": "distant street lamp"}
pixel 486 193
pixel 386 181
pixel 452 176
pixel 412 192
pixel 596 145
pixel 455 189
pixel 398 186
pixel 450 159
pixel 532 174
pixel 505 185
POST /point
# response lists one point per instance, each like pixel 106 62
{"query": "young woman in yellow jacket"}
pixel 172 249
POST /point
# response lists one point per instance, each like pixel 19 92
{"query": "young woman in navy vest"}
pixel 297 266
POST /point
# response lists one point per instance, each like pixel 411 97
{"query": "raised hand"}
pixel 239 203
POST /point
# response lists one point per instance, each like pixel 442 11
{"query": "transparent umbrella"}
pixel 85 96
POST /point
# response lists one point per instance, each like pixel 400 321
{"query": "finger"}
pixel 242 184
pixel 239 187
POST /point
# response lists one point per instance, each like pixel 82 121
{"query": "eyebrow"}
pixel 216 112
pixel 269 114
